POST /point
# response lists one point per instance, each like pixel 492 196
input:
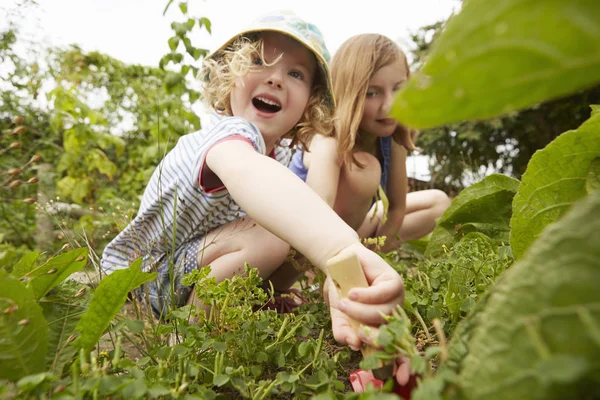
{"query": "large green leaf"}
pixel 483 207
pixel 54 271
pixel 555 178
pixel 109 298
pixel 63 310
pixel 497 56
pixel 23 330
pixel 25 264
pixel 538 336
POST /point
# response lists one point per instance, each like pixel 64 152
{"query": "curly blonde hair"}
pixel 220 72
pixel 352 67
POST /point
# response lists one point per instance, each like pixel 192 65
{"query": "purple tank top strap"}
pixel 385 144
pixel 297 165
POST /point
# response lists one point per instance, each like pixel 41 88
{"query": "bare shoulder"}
pixel 323 144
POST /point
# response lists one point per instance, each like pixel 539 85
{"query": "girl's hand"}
pixel 365 305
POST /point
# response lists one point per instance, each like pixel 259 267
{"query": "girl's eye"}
pixel 371 93
pixel 296 74
pixel 257 61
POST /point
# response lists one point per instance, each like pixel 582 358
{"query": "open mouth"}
pixel 266 105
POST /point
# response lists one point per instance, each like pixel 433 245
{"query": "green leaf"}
pixel 546 305
pixel 554 179
pixel 63 310
pixel 220 380
pixel 197 53
pixel 108 299
pixel 180 28
pixel 100 162
pixel 167 7
pixel 25 265
pixel 595 109
pixel 71 141
pixel 496 56
pixel 30 382
pixel 483 207
pixel 562 368
pixel 432 352
pixel 205 22
pixel 183 7
pixel 592 181
pixel 54 271
pixel 74 188
pixel 23 330
pixel 173 42
pixel 418 364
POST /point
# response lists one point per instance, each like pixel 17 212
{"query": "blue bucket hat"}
pixel 291 25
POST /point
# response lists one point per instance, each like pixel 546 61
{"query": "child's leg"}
pixel 229 247
pixel 356 189
pixel 422 209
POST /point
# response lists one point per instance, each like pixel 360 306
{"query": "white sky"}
pixel 136 32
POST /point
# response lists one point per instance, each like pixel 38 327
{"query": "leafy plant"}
pixel 455 82
pixel 539 329
pixel 556 177
pixel 483 207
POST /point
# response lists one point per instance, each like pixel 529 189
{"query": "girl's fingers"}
pixel 403 371
pixel 343 332
pixel 380 292
pixel 367 314
pixel 368 335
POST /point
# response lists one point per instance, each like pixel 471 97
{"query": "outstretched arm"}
pixel 278 200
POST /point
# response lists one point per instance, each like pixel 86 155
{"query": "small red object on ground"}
pixel 359 380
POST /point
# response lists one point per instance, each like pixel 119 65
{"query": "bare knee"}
pixel 440 201
pixel 269 248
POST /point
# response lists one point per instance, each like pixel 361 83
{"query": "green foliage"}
pixel 483 207
pixel 539 333
pixel 555 178
pixel 109 298
pixel 50 273
pixel 493 48
pixel 448 286
pixel 23 330
pixel 62 310
pixel 466 151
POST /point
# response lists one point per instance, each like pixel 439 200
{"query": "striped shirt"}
pixel 175 207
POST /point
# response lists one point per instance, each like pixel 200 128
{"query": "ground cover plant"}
pixel 501 299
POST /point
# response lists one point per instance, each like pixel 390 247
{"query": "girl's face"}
pixel 274 97
pixel 380 95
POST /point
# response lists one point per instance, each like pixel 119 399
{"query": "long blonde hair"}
pixel 352 67
pixel 219 75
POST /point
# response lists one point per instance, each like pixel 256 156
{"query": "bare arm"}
pixel 279 201
pixel 396 190
pixel 324 169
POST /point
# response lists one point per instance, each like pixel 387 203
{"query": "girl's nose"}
pixel 274 79
pixel 388 101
